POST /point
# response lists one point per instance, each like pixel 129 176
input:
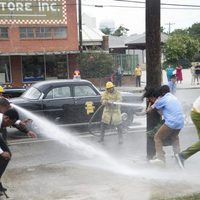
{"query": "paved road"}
pixel 82 169
pixel 50 170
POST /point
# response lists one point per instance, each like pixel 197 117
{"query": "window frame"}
pixel 7 31
pixel 91 95
pixel 53 93
pixel 39 33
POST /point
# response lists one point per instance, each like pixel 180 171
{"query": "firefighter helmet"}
pixel 109 85
pixel 1 89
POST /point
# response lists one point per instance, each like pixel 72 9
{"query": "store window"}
pixel 56 66
pixel 43 32
pixel 26 32
pixel 33 68
pixel 4 69
pixel 3 33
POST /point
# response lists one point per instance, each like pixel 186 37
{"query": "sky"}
pixel 134 18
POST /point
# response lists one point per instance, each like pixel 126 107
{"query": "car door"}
pixel 87 101
pixel 58 105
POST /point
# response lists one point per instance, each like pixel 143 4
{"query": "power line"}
pixel 164 4
pixel 139 7
pixel 187 7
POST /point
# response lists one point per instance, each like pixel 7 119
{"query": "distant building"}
pixel 38 40
pixel 93 38
pixel 131 45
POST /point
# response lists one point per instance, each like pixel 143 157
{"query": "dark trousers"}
pixel 3 161
pixel 138 81
pixel 119 130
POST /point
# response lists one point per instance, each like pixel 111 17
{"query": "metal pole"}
pixel 80 26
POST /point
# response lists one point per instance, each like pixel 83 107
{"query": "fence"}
pixel 127 62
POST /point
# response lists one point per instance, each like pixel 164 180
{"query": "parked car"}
pixel 13 92
pixel 70 102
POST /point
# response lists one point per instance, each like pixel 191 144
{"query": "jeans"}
pixel 161 135
pixel 138 81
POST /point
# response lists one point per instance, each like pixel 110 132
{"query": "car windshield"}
pixel 32 93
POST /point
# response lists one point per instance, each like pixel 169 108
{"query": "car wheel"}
pixel 127 118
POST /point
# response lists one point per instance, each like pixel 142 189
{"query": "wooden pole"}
pixel 153 62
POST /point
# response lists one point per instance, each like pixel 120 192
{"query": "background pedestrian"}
pixel 172 84
pixel 193 74
pixel 179 74
pixel 169 71
pixel 138 74
pixel 197 72
pixel 118 76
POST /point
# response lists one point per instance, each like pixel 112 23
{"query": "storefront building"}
pixel 38 41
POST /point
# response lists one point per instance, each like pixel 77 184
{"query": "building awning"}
pixel 37 53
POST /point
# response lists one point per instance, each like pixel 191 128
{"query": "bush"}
pixel 96 65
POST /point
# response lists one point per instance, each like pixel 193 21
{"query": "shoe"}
pixel 157 162
pixel 180 160
pixel 2 189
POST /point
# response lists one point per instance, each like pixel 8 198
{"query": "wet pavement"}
pixel 45 169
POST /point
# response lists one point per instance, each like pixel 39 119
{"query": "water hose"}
pixel 91 120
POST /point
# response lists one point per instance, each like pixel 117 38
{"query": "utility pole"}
pixel 169 27
pixel 153 63
pixel 80 26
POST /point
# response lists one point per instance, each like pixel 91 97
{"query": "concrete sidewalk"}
pixel 186 83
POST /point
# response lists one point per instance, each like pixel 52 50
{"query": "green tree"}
pixel 106 31
pixel 180 32
pixel 179 47
pixel 96 65
pixel 120 31
pixel 194 31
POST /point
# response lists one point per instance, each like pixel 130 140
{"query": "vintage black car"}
pixel 13 92
pixel 70 102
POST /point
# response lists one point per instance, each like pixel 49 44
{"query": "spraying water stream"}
pixel 50 130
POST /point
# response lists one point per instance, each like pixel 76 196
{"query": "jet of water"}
pixel 48 129
pixel 45 127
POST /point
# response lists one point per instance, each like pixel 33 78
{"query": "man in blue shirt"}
pixel 173 115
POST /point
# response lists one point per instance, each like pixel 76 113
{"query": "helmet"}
pixel 1 89
pixel 109 85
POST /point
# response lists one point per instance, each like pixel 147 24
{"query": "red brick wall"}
pixel 15 45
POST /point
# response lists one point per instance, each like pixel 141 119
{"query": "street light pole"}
pixel 80 26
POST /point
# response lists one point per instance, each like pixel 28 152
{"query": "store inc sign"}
pixel 33 11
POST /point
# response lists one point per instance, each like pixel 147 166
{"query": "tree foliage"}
pixel 180 32
pixel 120 31
pixel 194 31
pixel 106 31
pixel 179 47
pixel 96 65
